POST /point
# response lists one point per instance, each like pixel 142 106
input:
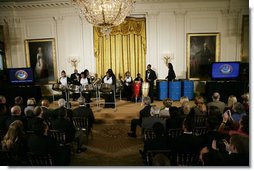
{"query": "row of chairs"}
pixel 172 133
pixel 176 159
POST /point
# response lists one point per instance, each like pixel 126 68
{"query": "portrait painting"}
pixel 41 56
pixel 202 51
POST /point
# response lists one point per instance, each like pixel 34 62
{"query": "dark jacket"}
pixel 152 76
pixel 145 112
pixel 75 79
pixel 86 112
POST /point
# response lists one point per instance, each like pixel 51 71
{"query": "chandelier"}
pixel 104 13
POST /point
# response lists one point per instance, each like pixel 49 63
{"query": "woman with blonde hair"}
pixel 15 139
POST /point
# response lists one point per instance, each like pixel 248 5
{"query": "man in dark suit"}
pixel 75 77
pixel 47 113
pixel 150 78
pixel 145 112
pixel 62 105
pixel 83 111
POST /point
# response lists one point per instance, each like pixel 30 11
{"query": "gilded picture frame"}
pixel 41 56
pixel 202 50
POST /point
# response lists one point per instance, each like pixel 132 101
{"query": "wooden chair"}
pixel 199 131
pixel 148 134
pixel 175 133
pixel 81 123
pixel 40 159
pixel 59 136
pixel 150 154
pixel 185 159
pixel 200 120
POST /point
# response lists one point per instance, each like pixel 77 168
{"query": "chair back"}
pixel 149 134
pixel 148 122
pixel 40 159
pixel 59 136
pixel 80 123
pixel 186 159
pixel 200 120
pixel 175 133
pixel 199 131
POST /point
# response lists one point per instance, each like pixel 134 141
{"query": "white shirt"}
pixel 83 81
pixel 127 80
pixel 63 81
pixel 108 81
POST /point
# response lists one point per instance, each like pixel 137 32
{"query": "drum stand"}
pixel 99 98
pixel 67 96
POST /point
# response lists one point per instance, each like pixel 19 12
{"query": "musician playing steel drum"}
pixel 85 82
pixel 127 84
pixel 64 81
pixel 110 79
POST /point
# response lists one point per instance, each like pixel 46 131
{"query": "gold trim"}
pixel 188 52
pixel 53 53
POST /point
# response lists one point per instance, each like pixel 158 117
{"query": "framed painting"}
pixel 41 56
pixel 245 39
pixel 202 50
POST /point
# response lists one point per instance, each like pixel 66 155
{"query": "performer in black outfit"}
pixel 85 81
pixel 75 81
pixel 109 78
pixel 150 77
pixel 171 73
pixel 127 84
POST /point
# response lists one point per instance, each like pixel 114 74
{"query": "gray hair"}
pixel 81 100
pixel 147 100
pixel 16 110
pixel 61 102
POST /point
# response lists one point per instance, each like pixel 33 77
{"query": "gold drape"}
pixel 124 49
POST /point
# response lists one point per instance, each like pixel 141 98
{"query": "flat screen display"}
pixel 225 70
pixel 21 76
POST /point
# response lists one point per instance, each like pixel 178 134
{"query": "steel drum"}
pixel 136 88
pixel 86 88
pixel 74 88
pixel 145 89
pixel 58 87
pixel 106 87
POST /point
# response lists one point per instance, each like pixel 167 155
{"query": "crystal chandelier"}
pixel 104 13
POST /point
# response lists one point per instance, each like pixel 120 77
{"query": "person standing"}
pixel 64 81
pixel 109 78
pixel 150 78
pixel 127 84
pixel 171 73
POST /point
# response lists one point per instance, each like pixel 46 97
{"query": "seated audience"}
pixel 231 100
pixel 38 112
pixel 62 105
pixel 245 98
pixel 160 160
pixel 237 111
pixel 166 110
pixel 16 115
pixel 28 111
pixel 47 113
pixel 4 114
pixel 145 112
pixel 19 101
pixel 200 108
pixel 216 102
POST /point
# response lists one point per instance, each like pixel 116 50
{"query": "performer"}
pixel 65 81
pixel 127 84
pixel 75 81
pixel 171 73
pixel 150 77
pixel 137 80
pixel 85 81
pixel 110 78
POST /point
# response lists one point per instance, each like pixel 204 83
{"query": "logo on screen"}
pixel 226 69
pixel 21 74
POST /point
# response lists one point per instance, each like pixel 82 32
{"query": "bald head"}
pixel 16 110
pixel 216 96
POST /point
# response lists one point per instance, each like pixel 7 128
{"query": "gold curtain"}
pixel 124 49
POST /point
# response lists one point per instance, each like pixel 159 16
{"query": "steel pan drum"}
pixel 58 87
pixel 86 88
pixel 119 85
pixel 74 88
pixel 145 89
pixel 106 87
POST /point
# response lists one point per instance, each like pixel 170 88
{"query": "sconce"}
pixel 74 61
pixel 168 58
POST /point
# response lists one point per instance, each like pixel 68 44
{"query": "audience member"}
pixel 237 111
pixel 231 100
pixel 62 105
pixel 200 108
pixel 16 115
pixel 28 111
pixel 47 113
pixel 216 102
pixel 165 111
pixel 145 112
pixel 38 112
pixel 245 98
pixel 160 160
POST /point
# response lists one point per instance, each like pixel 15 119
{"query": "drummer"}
pixel 64 81
pixel 127 84
pixel 85 81
pixel 75 77
pixel 150 78
pixel 109 78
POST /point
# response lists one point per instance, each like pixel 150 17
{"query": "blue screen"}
pixel 23 76
pixel 225 70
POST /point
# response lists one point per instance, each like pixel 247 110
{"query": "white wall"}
pixel 168 22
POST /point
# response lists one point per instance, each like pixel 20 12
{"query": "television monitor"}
pixel 21 76
pixel 225 70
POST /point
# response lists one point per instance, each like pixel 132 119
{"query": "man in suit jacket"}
pixel 145 112
pixel 47 113
pixel 150 77
pixel 75 77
